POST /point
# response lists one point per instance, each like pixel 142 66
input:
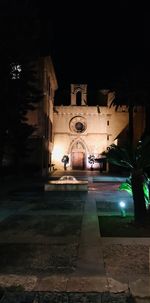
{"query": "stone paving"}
pixel 51 242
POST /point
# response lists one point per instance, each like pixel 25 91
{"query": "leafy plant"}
pixel 126 186
pixel 137 160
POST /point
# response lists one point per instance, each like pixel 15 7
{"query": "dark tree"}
pixel 126 94
pixel 136 161
pixel 24 97
pixel 134 90
pixel 21 29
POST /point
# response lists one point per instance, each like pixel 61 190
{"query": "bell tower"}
pixel 79 94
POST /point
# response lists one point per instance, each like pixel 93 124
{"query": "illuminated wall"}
pixel 42 117
pixel 92 128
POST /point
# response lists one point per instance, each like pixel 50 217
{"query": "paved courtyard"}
pixel 51 241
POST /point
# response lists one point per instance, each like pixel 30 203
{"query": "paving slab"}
pixel 90 274
pixel 140 289
pixel 90 258
pixel 87 284
pixel 27 282
pixel 116 286
pixel 52 283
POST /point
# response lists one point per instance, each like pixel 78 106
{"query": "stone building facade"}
pixel 41 141
pixel 81 130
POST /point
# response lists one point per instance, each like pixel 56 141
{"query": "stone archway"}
pixel 78 155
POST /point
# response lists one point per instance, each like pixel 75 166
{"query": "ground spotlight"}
pixel 122 205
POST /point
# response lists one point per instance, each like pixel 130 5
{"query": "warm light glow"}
pixel 57 153
pixel 116 141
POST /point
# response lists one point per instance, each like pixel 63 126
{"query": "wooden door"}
pixel 77 160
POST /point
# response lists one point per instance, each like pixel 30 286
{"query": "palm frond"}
pixel 118 156
pixel 126 186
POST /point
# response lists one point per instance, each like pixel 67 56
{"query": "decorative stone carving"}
pixel 78 124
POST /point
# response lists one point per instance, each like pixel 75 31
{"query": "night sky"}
pixel 101 44
pixel 95 43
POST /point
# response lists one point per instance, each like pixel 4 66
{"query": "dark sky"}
pixel 99 44
pixel 96 43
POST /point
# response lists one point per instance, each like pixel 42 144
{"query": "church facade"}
pixel 81 131
pixel 41 141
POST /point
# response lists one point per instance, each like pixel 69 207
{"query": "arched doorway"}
pixel 78 155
